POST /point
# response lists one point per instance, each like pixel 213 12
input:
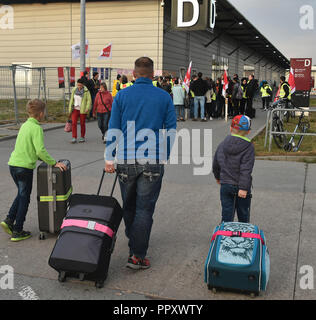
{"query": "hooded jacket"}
pixel 233 162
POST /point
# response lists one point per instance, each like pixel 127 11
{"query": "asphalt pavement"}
pixel 283 205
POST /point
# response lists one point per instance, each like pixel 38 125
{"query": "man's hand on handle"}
pixel 109 167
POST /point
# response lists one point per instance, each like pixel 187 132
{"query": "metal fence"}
pixel 20 83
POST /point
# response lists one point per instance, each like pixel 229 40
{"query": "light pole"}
pixel 82 36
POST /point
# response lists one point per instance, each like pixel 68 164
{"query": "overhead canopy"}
pixel 231 22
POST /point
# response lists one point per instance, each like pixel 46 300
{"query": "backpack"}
pixel 240 93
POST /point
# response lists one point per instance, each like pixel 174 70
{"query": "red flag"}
pixel 277 95
pixel 292 81
pixel 225 83
pixel 186 81
pixel 106 52
pixel 72 76
pixel 61 77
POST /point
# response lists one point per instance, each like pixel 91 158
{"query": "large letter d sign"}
pixel 196 13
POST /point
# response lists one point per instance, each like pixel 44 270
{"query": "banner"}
pixel 302 69
pixel 187 78
pixel 61 77
pixel 72 76
pixel 106 52
pixel 75 49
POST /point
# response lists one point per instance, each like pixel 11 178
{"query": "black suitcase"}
pixel 53 192
pixel 87 238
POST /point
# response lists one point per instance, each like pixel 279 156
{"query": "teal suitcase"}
pixel 238 259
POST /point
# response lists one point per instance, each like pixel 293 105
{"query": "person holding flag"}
pixel 225 87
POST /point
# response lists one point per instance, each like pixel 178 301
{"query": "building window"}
pixel 23 75
pixel 248 70
pixel 219 65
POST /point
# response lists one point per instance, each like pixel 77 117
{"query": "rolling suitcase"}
pixel 53 191
pixel 88 234
pixel 238 259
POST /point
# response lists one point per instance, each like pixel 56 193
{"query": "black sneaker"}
pixel 7 226
pixel 137 263
pixel 18 236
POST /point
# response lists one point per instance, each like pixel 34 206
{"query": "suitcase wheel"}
pixel 99 284
pixel 254 294
pixel 42 236
pixel 62 276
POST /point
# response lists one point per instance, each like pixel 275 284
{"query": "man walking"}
pixel 138 112
pixel 199 88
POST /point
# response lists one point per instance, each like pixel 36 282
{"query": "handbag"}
pixel 68 126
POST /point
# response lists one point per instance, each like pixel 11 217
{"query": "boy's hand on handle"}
pixel 218 181
pixel 109 167
pixel 61 166
pixel 242 194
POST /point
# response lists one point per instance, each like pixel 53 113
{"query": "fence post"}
pixel 44 84
pixel 268 123
pixel 39 83
pixel 16 111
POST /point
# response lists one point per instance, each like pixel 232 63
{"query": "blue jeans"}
pixel 231 203
pixel 23 178
pixel 199 100
pixel 140 188
pixel 179 111
pixel 103 121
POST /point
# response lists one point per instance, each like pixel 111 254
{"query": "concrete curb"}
pixel 9 137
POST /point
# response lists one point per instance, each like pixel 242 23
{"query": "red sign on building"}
pixel 302 68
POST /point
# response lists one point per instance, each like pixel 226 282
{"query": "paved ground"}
pixel 284 202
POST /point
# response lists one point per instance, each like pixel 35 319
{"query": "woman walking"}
pixel 79 107
pixel 102 109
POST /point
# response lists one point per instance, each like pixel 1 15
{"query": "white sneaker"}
pixel 211 118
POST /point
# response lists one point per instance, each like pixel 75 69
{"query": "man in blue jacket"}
pixel 136 138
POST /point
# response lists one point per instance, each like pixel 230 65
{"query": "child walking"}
pixel 232 167
pixel 29 148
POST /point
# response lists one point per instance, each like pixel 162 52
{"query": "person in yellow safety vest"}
pixel 243 101
pixel 115 82
pixel 124 84
pixel 266 94
pixel 285 89
pixel 156 82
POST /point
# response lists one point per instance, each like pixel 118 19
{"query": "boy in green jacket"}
pixel 29 148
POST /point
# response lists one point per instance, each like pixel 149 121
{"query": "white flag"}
pixel 76 50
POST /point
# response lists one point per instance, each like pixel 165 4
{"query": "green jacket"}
pixel 29 146
pixel 85 103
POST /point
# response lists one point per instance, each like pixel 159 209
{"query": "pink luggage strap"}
pixel 237 234
pixel 91 225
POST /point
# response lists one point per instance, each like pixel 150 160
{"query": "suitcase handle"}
pixel 100 185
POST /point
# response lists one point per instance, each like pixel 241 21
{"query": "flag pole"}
pixel 82 36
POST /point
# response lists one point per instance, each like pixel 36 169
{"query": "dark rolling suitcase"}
pixel 88 234
pixel 53 192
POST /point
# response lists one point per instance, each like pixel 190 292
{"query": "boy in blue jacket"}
pixel 232 167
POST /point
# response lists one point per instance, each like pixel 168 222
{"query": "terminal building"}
pixel 43 32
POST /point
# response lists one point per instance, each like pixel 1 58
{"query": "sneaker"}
pixel 203 120
pixel 18 236
pixel 137 263
pixel 7 226
pixel 73 140
pixel 194 119
pixel 211 118
pixel 82 140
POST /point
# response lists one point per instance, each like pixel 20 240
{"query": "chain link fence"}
pixel 20 83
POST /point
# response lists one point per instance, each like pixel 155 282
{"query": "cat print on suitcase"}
pixel 238 259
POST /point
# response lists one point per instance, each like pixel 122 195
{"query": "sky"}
pixel 284 23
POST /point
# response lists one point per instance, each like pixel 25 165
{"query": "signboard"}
pixel 193 14
pixel 302 68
